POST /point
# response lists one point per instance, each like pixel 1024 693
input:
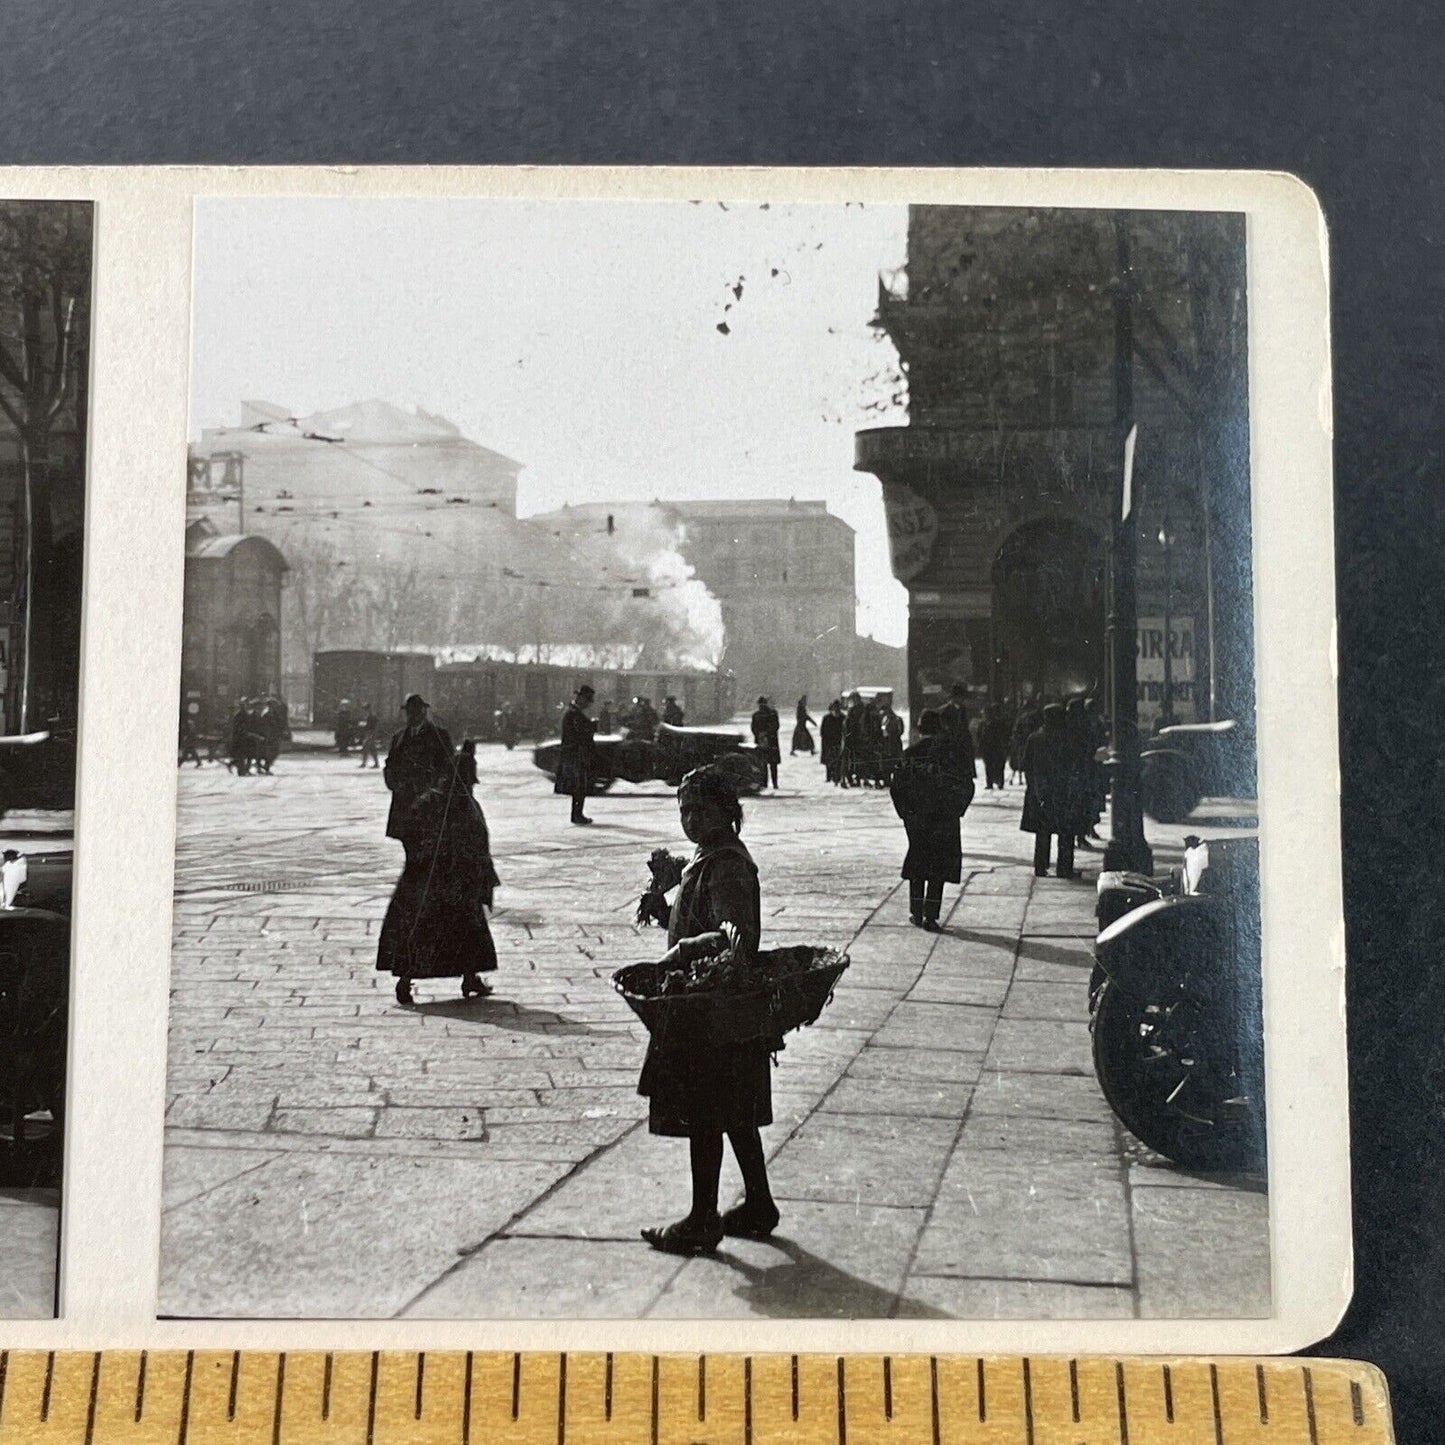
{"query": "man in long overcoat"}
pixel 765 725
pixel 955 728
pixel 419 758
pixel 574 758
pixel 1049 800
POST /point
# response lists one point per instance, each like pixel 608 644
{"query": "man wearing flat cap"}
pixel 420 757
pixel 574 759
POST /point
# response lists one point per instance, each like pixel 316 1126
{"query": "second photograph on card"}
pixel 717 766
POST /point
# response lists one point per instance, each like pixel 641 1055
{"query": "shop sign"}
pixel 912 530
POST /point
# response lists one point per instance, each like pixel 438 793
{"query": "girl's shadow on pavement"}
pixel 805 1286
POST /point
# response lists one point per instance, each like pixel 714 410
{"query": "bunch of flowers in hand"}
pixel 666 869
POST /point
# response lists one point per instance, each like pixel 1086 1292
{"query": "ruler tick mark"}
pixel 516 1384
pixel 933 1395
pixel 1214 1397
pixel 280 1397
pixel 140 1385
pixel 371 1400
pixel 186 1397
pixel 562 1399
pixel 702 1387
pixel 748 1400
pixel 467 1403
pixel 326 1387
pixel 1310 1406
pixel 887 1387
pixel 842 1404
pixel 4 1371
pixel 235 1381
pixel 1123 1404
pixel 1262 1390
pixel 420 1385
pixel 655 1394
pixel 94 1397
pixel 1028 1403
pixel 1168 1394
pixel 1357 1403
pixel 607 1388
pixel 982 1394
pixel 795 1387
pixel 49 1381
pixel 1074 1388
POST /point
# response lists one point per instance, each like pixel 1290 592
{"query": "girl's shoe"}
pixel 474 986
pixel 744 1221
pixel 686 1237
pixel 403 990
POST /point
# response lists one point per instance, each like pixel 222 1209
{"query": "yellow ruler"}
pixel 209 1397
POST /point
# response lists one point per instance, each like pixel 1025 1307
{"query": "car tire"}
pixel 1142 1086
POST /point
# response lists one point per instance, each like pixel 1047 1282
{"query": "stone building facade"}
pixel 1000 492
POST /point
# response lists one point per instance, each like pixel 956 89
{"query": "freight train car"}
pixel 382 679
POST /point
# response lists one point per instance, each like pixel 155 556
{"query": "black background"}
pixel 1348 97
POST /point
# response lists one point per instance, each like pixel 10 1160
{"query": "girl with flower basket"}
pixel 700 1087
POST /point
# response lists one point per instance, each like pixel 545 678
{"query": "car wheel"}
pixel 1154 1065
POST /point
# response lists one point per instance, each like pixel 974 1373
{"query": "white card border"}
pixel 127 785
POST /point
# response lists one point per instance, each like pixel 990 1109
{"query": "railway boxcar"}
pixel 382 679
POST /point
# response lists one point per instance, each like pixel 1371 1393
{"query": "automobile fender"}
pixel 1157 940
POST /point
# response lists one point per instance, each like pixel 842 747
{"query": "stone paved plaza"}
pixel 941 1147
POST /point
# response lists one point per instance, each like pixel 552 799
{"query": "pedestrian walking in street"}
pixel 436 923
pixel 1081 761
pixel 190 741
pixel 672 713
pixel 271 724
pixel 1026 724
pixel 765 725
pixel 993 741
pixel 802 738
pixel 1049 798
pixel 892 730
pixel 830 742
pixel 419 758
pixel 605 720
pixel 370 737
pixel 706 1094
pixel 574 757
pixel 931 797
pixel 854 745
pixel 954 714
pixel 244 742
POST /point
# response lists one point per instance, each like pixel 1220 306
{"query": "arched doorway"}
pixel 1048 610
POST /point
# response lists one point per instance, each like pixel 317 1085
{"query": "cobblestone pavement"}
pixel 940 1146
pixel 29 1252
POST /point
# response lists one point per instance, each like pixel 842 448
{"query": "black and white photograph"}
pixel 45 285
pixel 716 762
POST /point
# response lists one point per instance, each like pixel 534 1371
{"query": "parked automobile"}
pixel 1175 1006
pixel 675 751
pixel 1187 762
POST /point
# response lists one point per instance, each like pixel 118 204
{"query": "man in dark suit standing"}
pixel 420 756
pixel 574 761
pixel 955 728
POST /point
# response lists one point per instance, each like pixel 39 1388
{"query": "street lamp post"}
pixel 1127 850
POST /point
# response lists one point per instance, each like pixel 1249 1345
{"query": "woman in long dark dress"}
pixel 802 738
pixel 931 797
pixel 704 1094
pixel 436 923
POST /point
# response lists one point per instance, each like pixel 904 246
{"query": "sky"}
pixel 580 338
